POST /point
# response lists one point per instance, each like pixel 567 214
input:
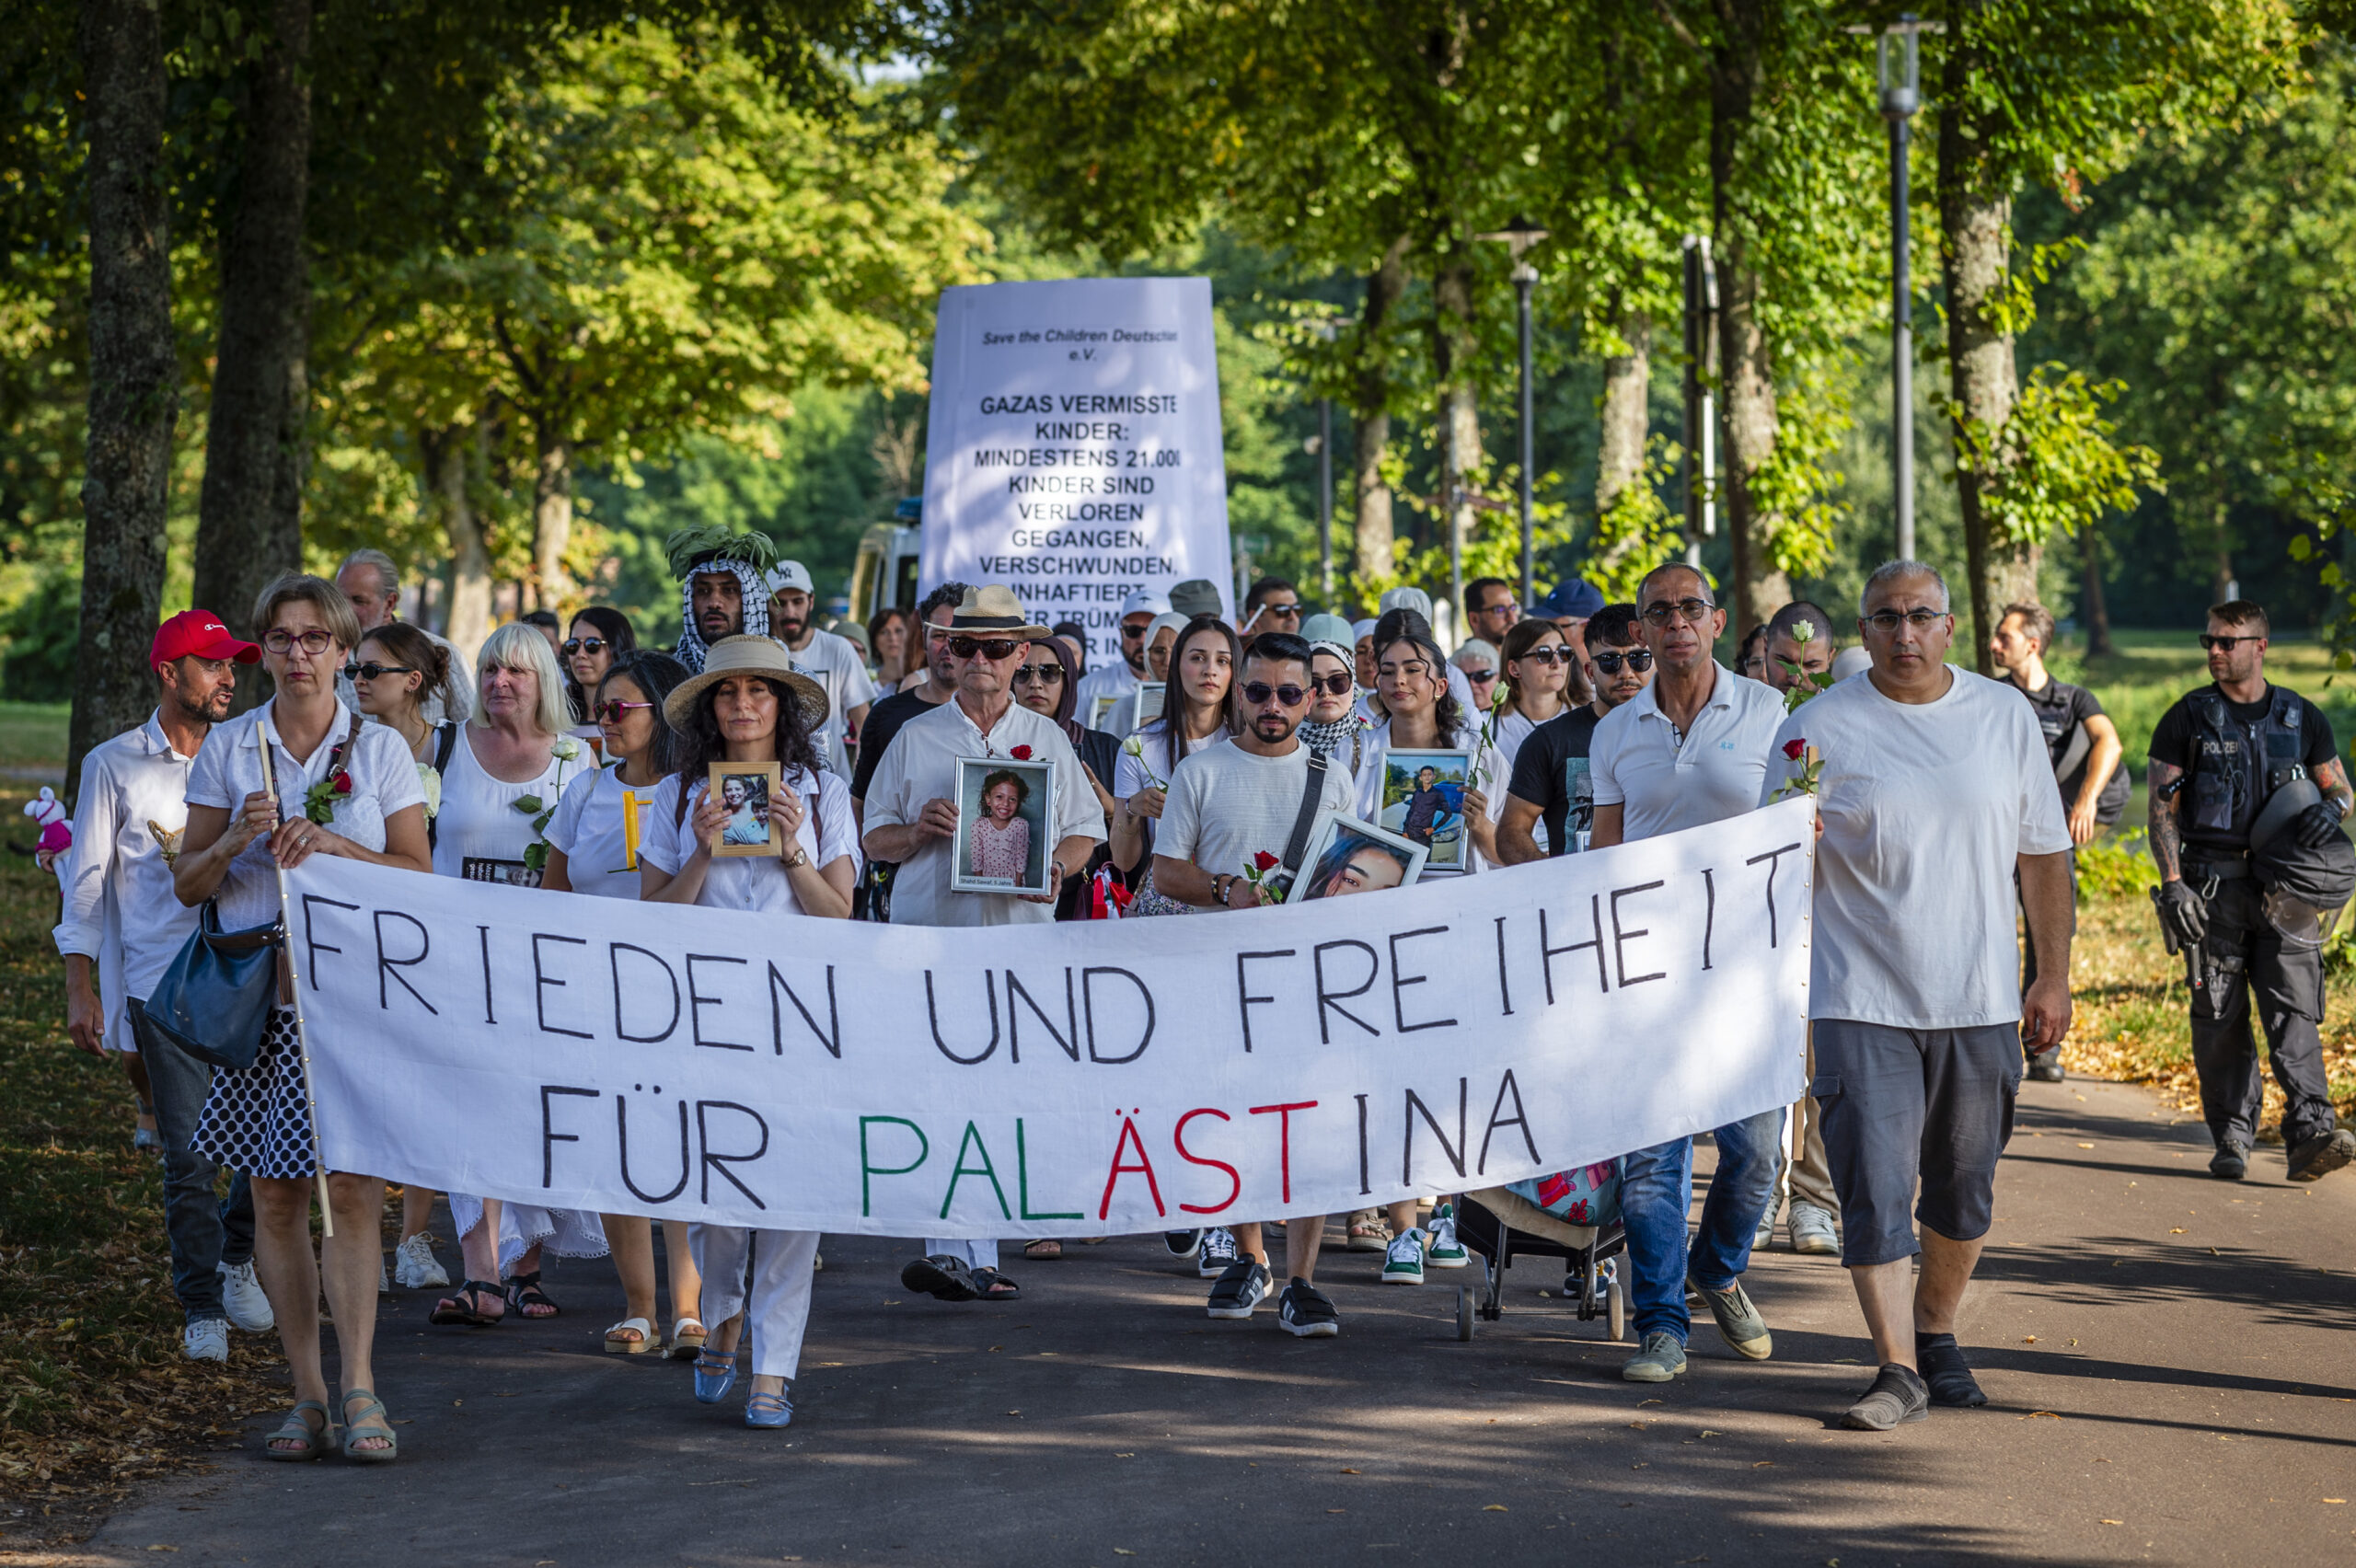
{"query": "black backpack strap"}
pixel 1306 817
pixel 445 741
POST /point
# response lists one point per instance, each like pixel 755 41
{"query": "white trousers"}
pixel 778 1308
pixel 977 1254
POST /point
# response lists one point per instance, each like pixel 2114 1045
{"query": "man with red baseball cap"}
pixel 120 913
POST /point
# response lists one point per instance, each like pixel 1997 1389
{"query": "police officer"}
pixel 2218 758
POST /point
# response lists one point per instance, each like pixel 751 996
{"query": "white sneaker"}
pixel 1218 1251
pixel 1812 1231
pixel 207 1339
pixel 242 1299
pixel 1402 1261
pixel 415 1267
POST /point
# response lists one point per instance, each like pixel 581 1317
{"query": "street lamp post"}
pixel 1701 407
pixel 1900 99
pixel 1325 329
pixel 1520 234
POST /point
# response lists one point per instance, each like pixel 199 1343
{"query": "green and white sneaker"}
pixel 1444 1250
pixel 1403 1260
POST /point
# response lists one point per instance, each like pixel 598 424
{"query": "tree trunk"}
pixel 1370 422
pixel 1746 366
pixel 1453 346
pixel 2092 607
pixel 551 521
pixel 249 514
pixel 469 617
pixel 134 370
pixel 1975 220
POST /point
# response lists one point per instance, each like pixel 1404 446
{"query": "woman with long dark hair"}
pixel 599 636
pixel 1540 669
pixel 888 637
pixel 749 704
pixel 1195 712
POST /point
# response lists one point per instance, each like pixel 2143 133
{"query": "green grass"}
pixel 32 734
pixel 2148 671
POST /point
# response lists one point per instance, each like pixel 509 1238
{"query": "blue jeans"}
pixel 1655 1191
pixel 200 1232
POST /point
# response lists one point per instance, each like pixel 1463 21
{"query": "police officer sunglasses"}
pixel 2225 644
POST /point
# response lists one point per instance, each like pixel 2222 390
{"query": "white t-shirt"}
pixel 836 664
pixel 1926 807
pixel 1665 782
pixel 1226 804
pixel 481 821
pixel 1489 767
pixel 120 910
pixel 228 768
pixel 753 881
pixel 920 765
pixel 600 857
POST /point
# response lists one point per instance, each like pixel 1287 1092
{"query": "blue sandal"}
pixel 372 1409
pixel 295 1428
pixel 712 1386
pixel 768 1410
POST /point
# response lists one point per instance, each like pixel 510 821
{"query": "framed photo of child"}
pixel 1423 801
pixel 1150 696
pixel 746 790
pixel 1005 808
pixel 1346 855
pixel 1099 708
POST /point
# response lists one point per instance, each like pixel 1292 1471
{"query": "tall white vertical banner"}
pixel 1073 451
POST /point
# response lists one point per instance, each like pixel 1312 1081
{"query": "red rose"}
pixel 342 782
pixel 1264 861
pixel 1796 749
pixel 1020 753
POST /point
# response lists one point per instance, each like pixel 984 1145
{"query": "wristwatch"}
pixel 800 858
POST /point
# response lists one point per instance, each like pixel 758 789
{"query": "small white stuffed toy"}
pixel 57 831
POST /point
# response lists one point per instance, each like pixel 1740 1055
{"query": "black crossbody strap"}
pixel 1306 817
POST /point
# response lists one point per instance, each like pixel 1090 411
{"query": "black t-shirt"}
pixel 884 722
pixel 2061 709
pixel 1544 769
pixel 2172 743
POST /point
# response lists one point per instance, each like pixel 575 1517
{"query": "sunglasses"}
pixel 589 645
pixel 997 647
pixel 371 670
pixel 278 640
pixel 1257 693
pixel 1045 674
pixel 1336 685
pixel 1637 659
pixel 1693 610
pixel 1479 678
pixel 1290 612
pixel 1887 620
pixel 611 710
pixel 1549 656
pixel 2225 644
pixel 1127 632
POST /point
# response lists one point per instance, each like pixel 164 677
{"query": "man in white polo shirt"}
pixel 1934 790
pixel 912 822
pixel 1688 749
pixel 834 662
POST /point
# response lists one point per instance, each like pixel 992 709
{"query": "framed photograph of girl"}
pixel 1423 801
pixel 1346 855
pixel 1151 696
pixel 1004 807
pixel 746 788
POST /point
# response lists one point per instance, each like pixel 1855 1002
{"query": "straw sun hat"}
pixel 747 655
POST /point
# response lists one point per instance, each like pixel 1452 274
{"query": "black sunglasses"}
pixel 2226 645
pixel 1046 674
pixel 1258 692
pixel 591 645
pixel 997 647
pixel 1134 630
pixel 1336 685
pixel 1637 659
pixel 1549 655
pixel 1291 612
pixel 372 670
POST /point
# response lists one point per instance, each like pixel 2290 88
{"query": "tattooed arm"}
pixel 2165 781
pixel 2331 777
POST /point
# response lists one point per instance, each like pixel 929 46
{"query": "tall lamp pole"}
pixel 1902 94
pixel 1701 407
pixel 1520 234
pixel 1325 329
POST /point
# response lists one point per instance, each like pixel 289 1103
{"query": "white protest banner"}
pixel 1073 450
pixel 1058 1079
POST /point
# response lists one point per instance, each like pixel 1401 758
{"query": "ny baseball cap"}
pixel 198 634
pixel 791 574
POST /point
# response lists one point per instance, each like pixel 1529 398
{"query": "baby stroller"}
pixel 1573 1215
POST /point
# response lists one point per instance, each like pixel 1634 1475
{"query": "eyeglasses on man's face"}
pixel 994 650
pixel 1886 621
pixel 1281 611
pixel 1660 611
pixel 2225 644
pixel 278 639
pixel 1130 632
pixel 1043 675
pixel 1257 694
pixel 1637 659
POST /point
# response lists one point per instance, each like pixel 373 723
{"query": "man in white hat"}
pixel 1119 677
pixel 834 662
pixel 912 822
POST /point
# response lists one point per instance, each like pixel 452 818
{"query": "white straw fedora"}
pixel 747 655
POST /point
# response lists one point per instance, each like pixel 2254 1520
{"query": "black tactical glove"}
pixel 2315 826
pixel 2183 913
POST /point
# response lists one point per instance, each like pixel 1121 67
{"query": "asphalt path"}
pixel 2171 1361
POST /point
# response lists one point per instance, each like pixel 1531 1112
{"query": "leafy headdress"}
pixel 712 547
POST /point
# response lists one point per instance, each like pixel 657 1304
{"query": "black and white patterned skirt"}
pixel 257 1119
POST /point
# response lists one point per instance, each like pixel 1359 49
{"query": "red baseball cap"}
pixel 198 633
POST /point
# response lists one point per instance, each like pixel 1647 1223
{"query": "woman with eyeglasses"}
pixel 244 826
pixel 1196 713
pixel 1048 681
pixel 593 848
pixel 598 637
pixel 509 770
pixel 1750 654
pixel 1539 666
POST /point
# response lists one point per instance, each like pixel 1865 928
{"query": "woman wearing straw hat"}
pixel 298 777
pixel 749 704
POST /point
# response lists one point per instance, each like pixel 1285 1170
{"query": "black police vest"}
pixel 2239 764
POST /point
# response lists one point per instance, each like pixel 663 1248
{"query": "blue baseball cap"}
pixel 1578 598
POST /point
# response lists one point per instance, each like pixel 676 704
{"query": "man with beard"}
pixel 834 662
pixel 1119 677
pixel 1551 783
pixel 121 912
pixel 723 587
